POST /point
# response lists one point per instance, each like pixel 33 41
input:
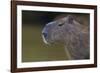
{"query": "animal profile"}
pixel 69 32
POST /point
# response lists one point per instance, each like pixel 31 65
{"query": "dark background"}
pixel 31 17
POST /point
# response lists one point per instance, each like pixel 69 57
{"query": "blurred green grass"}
pixel 34 49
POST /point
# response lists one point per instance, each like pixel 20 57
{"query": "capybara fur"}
pixel 69 32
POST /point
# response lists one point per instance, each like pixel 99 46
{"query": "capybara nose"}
pixel 44 34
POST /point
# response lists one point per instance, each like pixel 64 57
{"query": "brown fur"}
pixel 72 34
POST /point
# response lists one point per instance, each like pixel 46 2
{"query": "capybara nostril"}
pixel 44 34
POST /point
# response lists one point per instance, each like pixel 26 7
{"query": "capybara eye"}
pixel 61 24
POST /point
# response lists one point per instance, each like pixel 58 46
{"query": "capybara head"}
pixel 61 30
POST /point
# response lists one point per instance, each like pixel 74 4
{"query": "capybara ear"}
pixel 70 19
